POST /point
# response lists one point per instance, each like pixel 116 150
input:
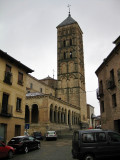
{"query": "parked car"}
pixel 6 151
pixel 95 143
pixel 24 143
pixel 38 135
pixel 51 135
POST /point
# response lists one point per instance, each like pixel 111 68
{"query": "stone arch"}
pixel 71 81
pixel 34 113
pixel 63 68
pixel 27 114
pixel 71 67
pixel 64 82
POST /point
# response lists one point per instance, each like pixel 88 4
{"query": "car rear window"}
pixel 51 132
pixel 37 134
pixel 88 138
pixel 15 140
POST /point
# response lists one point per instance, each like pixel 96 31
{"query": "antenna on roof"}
pixel 69 8
pixel 53 73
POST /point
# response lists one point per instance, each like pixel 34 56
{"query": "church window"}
pixel 64 55
pixel 64 43
pixel 70 54
pixel 70 42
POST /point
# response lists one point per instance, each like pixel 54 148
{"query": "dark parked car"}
pixel 24 143
pixel 6 151
pixel 38 135
pixel 95 143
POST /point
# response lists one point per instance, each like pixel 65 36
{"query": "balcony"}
pixel 99 93
pixel 110 84
pixel 8 78
pixel 6 111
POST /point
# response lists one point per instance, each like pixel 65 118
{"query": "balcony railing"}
pixel 6 111
pixel 20 82
pixel 8 78
pixel 110 84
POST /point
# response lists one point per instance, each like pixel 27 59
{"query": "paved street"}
pixel 50 150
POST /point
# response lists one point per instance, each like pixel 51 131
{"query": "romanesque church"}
pixel 46 104
pixel 60 104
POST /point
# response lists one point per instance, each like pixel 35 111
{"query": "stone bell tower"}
pixel 70 64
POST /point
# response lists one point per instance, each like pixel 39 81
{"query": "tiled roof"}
pixel 16 62
pixel 34 94
pixel 69 20
pixel 117 41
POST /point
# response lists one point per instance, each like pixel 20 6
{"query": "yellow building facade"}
pixel 13 76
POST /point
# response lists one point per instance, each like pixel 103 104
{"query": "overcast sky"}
pixel 28 33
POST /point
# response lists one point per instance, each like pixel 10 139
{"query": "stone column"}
pixel 60 117
pixel 56 116
pixel 72 119
pixel 66 117
pixel 63 117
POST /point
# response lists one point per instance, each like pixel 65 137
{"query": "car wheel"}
pixel 26 149
pixel 89 157
pixel 39 146
pixel 10 154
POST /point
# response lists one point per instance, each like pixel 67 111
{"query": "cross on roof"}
pixel 69 8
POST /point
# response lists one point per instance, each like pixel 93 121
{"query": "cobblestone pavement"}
pixel 50 150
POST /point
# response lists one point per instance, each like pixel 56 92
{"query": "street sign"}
pixel 27 126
